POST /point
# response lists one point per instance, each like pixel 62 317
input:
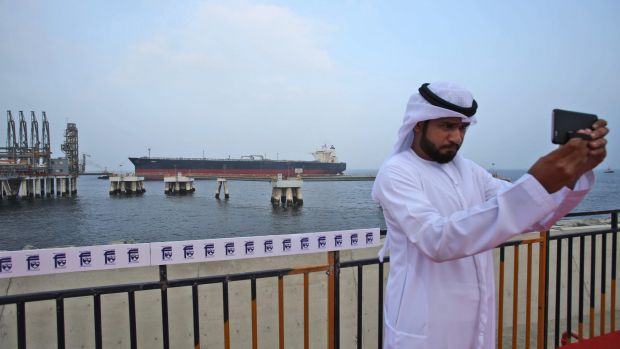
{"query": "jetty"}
pixel 178 184
pixel 27 187
pixel 126 184
pixel 27 169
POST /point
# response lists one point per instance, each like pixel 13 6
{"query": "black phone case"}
pixel 566 123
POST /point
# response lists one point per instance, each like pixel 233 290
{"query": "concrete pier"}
pixel 222 182
pixel 37 187
pixel 178 184
pixel 286 192
pixel 126 185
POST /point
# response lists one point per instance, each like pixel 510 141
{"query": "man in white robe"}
pixel 445 214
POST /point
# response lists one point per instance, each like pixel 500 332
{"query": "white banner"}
pixel 71 259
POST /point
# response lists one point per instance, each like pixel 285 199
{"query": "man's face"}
pixel 439 139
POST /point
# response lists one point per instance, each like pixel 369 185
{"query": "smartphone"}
pixel 566 123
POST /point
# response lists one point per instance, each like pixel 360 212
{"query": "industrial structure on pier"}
pixel 27 169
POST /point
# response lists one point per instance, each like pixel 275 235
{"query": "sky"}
pixel 281 78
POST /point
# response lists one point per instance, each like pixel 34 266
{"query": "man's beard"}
pixel 433 152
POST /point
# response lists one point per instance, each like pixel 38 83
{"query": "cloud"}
pixel 261 45
pixel 231 78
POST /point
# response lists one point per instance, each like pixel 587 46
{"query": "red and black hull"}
pixel 157 168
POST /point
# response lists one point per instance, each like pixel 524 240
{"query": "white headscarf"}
pixel 418 109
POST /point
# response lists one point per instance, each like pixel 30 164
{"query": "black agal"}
pixel 437 101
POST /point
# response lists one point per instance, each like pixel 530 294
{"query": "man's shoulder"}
pixel 399 165
pixel 398 161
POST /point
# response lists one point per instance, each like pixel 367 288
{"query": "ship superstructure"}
pixel 325 154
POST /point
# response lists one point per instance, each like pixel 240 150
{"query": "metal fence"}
pixel 545 302
pixel 576 245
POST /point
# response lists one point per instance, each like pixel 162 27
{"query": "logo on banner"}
pixel 286 245
pixel 6 265
pixel 166 253
pixel 249 248
pixel 209 250
pixel 85 259
pixel 188 251
pixel 305 243
pixel 33 262
pixel 60 260
pixel 230 248
pixel 268 246
pixel 369 238
pixel 338 240
pixel 322 242
pixel 133 255
pixel 354 239
pixel 109 256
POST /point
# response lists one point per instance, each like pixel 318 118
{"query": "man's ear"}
pixel 417 128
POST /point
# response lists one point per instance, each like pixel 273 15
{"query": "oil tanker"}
pixel 253 166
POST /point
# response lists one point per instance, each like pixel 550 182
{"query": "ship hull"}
pixel 157 168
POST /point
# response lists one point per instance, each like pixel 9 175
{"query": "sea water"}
pixel 94 217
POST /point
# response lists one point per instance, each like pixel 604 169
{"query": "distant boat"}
pixel 608 170
pixel 104 175
pixel 496 174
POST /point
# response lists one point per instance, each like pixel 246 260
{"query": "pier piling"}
pixel 286 192
pixel 23 190
pixel 222 182
pixel 37 187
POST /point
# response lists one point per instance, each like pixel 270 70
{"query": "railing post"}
pixel 500 310
pixel 98 331
pixel 614 247
pixel 280 312
pixel 60 323
pixel 360 293
pixel 336 299
pixel 558 291
pixel 543 284
pixel 131 302
pixel 21 325
pixel 515 295
pixel 226 311
pixel 163 281
pixel 333 300
pixel 603 274
pixel 196 315
pixel 380 312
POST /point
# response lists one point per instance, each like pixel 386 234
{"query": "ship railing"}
pixel 349 288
